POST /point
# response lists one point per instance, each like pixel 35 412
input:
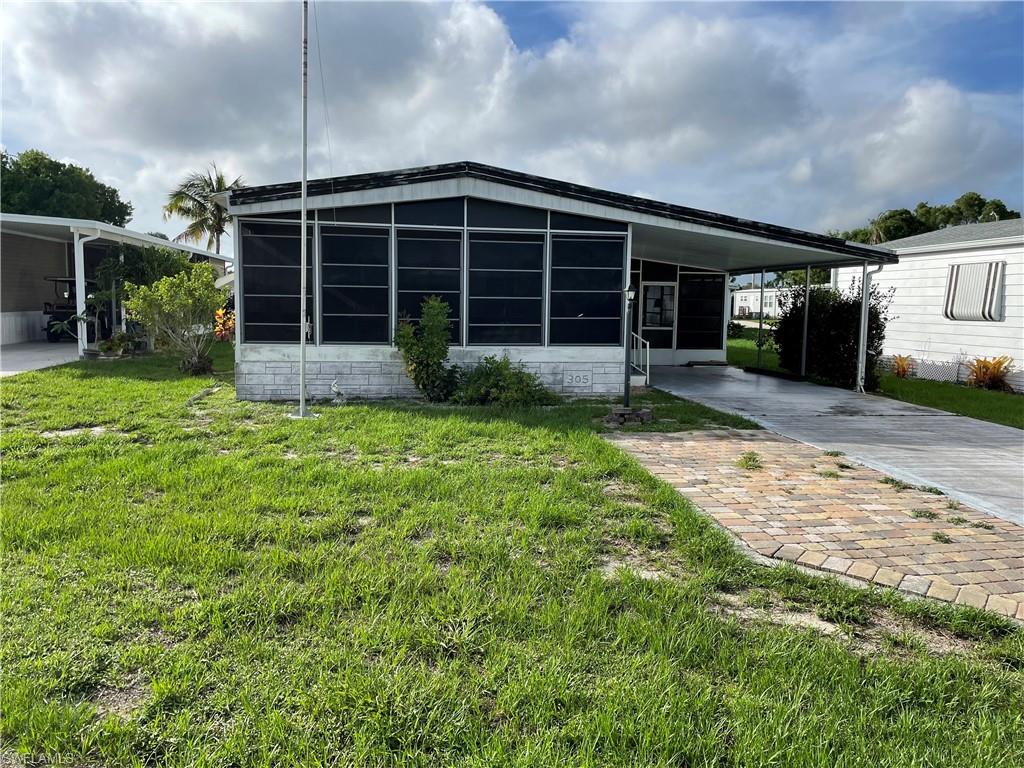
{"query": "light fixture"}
pixel 630 292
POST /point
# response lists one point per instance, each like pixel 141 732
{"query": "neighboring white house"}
pixel 959 295
pixel 746 302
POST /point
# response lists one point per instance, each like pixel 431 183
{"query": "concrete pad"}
pixel 975 462
pixel 34 355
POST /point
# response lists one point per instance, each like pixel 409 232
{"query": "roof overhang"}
pixel 63 230
pixel 660 230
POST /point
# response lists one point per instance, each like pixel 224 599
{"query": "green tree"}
pixel 179 311
pixel 898 223
pixel 193 200
pixel 35 183
pixel 794 278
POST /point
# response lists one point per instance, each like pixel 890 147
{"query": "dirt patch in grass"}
pixel 884 634
pixel 623 494
pixel 122 701
pixel 95 431
pixel 640 560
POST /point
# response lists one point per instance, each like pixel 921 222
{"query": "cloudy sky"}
pixel 811 115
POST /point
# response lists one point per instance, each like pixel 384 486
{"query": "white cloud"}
pixel 780 118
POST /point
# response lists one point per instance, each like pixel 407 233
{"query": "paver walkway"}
pixel 824 512
pixel 979 463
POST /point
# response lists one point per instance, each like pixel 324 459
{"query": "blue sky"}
pixel 814 115
pixel 979 52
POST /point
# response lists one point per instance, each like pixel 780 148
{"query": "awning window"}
pixel 975 291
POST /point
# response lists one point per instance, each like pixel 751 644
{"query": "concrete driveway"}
pixel 976 462
pixel 33 355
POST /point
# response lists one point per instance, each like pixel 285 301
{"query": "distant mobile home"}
pixel 958 295
pixel 530 267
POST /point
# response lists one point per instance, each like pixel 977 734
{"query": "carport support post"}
pixel 80 292
pixel 760 321
pixel 83 329
pixel 807 312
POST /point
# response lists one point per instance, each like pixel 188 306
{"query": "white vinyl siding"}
pixel 917 326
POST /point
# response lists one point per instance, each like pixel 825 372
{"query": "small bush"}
pixel 990 373
pixel 496 381
pixel 734 330
pixel 224 325
pixel 424 350
pixel 179 311
pixel 901 366
pixel 832 333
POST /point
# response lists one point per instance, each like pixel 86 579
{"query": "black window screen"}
pixel 506 288
pixel 487 213
pixel 430 264
pixel 447 212
pixel 560 221
pixel 354 285
pixel 701 309
pixel 586 290
pixel 270 282
pixel 357 214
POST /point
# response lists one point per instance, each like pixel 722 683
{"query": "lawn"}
pixel 742 351
pixel 188 580
pixel 987 405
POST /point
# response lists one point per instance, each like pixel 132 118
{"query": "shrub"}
pixel 424 350
pixel 734 330
pixel 224 324
pixel 990 373
pixel 496 381
pixel 901 365
pixel 832 333
pixel 179 312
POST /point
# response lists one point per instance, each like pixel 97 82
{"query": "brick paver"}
pixel 794 508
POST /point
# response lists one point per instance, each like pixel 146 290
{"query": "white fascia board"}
pixel 489 190
pixel 106 232
pixel 966 245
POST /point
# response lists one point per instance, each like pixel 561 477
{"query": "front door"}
pixel 658 314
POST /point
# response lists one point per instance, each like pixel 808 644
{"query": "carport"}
pixel 30 242
pixel 732 246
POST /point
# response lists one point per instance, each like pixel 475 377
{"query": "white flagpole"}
pixel 303 323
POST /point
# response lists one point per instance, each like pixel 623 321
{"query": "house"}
pixel 43 258
pixel 532 267
pixel 958 294
pixel 746 302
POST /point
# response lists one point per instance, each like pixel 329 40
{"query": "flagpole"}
pixel 303 256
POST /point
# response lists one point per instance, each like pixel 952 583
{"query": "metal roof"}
pixel 429 173
pixel 964 233
pixel 57 228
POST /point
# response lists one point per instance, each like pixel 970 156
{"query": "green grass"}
pixel 749 460
pixel 205 582
pixel 742 351
pixel 987 405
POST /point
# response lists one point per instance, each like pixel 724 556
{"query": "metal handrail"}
pixel 640 359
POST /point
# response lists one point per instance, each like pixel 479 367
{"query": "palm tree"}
pixel 192 199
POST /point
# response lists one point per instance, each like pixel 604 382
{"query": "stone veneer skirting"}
pixel 270 371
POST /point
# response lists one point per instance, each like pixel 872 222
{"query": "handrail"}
pixel 640 357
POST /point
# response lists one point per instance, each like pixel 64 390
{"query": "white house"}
pixel 532 267
pixel 746 302
pixel 958 295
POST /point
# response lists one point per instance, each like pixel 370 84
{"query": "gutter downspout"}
pixel 862 340
pixel 83 331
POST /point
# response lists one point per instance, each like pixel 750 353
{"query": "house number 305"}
pixel 576 379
